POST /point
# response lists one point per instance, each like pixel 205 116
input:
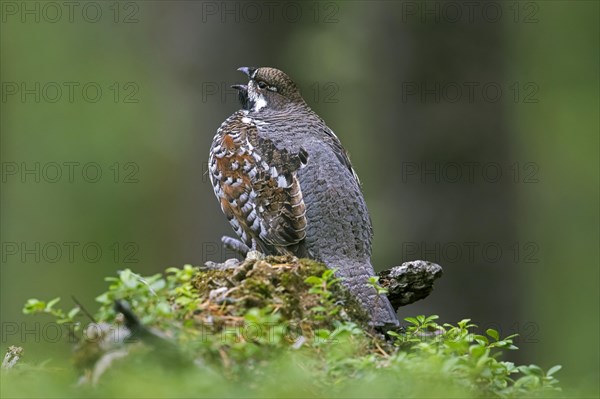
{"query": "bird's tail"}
pixel 355 278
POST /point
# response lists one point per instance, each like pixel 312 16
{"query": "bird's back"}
pixel 338 226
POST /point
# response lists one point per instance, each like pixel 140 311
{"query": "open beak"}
pixel 240 87
pixel 242 95
pixel 248 71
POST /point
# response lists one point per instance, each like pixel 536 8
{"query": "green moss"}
pixel 274 283
pixel 243 330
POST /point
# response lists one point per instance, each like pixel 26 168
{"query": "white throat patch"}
pixel 259 101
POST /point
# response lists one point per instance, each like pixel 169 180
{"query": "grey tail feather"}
pixel 355 278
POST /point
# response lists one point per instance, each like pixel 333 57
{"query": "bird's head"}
pixel 268 88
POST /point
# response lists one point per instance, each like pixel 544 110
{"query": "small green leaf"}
pixel 52 302
pixel 481 339
pixel 73 312
pixel 493 333
pixel 103 298
pixel 158 285
pixel 313 280
pixel 327 274
pixel 33 306
pixel 554 370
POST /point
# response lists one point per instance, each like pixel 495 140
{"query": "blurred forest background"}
pixel 474 129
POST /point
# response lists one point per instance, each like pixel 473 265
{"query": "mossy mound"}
pixel 281 285
pixel 221 311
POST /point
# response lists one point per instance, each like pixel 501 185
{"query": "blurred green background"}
pixel 431 99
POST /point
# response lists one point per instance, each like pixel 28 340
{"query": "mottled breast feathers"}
pixel 257 186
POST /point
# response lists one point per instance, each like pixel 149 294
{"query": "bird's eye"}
pixel 261 84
